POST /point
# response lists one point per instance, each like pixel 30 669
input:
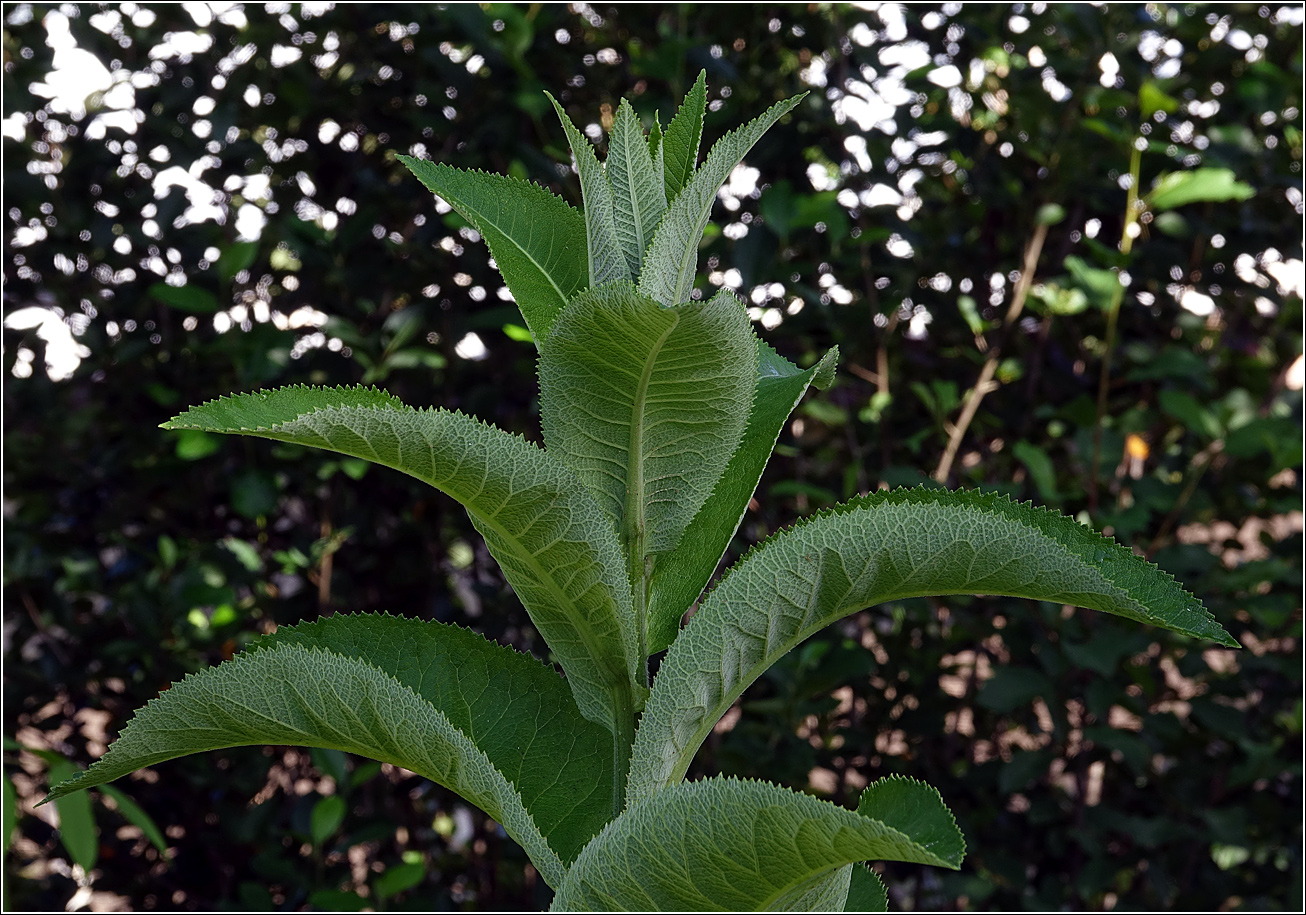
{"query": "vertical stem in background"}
pixel 1127 233
pixel 985 382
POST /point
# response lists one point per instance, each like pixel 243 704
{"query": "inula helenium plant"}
pixel 659 413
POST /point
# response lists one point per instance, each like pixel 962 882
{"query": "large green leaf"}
pixel 292 694
pixel 537 240
pixel 885 546
pixel 679 576
pixel 555 545
pixel 728 845
pixel 683 136
pixel 516 710
pixel 672 259
pixel 647 403
pixel 606 262
pixel 638 196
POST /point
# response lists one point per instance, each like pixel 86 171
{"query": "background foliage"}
pixel 224 211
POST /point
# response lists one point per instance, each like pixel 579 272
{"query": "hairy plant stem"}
pixel 1127 233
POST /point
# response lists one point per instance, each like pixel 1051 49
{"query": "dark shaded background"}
pixel 1090 762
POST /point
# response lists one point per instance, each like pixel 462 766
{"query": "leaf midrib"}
pixel 585 631
pixel 635 464
pixel 752 674
pixel 636 212
pixel 620 690
pixel 562 296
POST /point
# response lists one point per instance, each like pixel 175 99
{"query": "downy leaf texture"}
pixel 722 844
pixel 536 239
pixel 514 708
pixel 646 404
pixel 638 197
pixel 607 263
pixel 672 259
pixel 884 546
pixel 292 694
pixel 556 547
pixel 657 153
pixel 679 576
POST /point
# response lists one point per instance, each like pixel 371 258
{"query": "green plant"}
pixel 659 412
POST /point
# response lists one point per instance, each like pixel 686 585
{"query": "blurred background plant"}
pixel 973 203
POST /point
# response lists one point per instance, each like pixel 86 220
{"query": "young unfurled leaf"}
pixel 672 259
pixel 647 403
pixel 728 845
pixel 606 262
pixel 556 547
pixel 515 709
pixel 885 546
pixel 638 196
pixel 537 240
pixel 292 694
pixel 683 136
pixel 679 576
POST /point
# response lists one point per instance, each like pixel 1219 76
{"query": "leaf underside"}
pixel 638 196
pixel 672 259
pixel 729 845
pixel 290 694
pixel 679 576
pixel 885 546
pixel 536 239
pixel 647 403
pixel 515 709
pixel 682 139
pixel 555 546
pixel 607 264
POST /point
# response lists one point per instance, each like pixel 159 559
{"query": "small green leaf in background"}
pixel 237 257
pixel 338 901
pixel 245 553
pixel 1201 184
pixel 185 298
pixel 192 444
pixel 77 829
pixel 328 814
pixel 253 493
pixel 1011 688
pixel 1189 411
pixel 969 309
pixel 134 814
pixel 1228 856
pixel 1100 285
pixel 398 878
pixel 168 551
pixel 1151 100
pixel 1049 214
pixel 518 333
pixel 9 820
pixel 1041 469
pixel 1057 299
